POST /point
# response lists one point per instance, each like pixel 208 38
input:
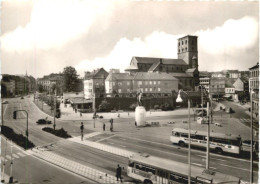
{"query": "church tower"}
pixel 188 50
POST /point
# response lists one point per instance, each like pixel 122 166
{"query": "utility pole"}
pixel 11 166
pixel 2 112
pixel 54 113
pixel 252 138
pixel 208 139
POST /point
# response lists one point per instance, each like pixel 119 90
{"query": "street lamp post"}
pixel 54 113
pixel 179 99
pixel 251 132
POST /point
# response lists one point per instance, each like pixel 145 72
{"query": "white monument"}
pixel 140 112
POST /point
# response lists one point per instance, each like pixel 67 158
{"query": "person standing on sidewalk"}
pixel 111 124
pixel 81 130
pixel 118 173
pixel 104 127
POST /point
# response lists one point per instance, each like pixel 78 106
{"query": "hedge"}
pixel 58 132
pixel 19 139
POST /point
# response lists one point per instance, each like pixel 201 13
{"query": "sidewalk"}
pixel 67 113
pixel 80 169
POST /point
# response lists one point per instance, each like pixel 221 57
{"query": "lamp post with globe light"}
pixel 179 99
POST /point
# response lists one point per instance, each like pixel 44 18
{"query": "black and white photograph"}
pixel 129 91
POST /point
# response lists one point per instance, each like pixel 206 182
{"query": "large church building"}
pixel 184 68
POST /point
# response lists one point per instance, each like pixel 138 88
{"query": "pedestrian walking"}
pixel 104 127
pixel 135 124
pixel 118 115
pixel 82 130
pixel 80 114
pixel 118 173
pixel 111 124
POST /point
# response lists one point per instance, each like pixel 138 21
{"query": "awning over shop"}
pixel 227 96
pixel 78 100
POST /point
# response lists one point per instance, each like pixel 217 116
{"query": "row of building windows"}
pixel 138 83
pixel 254 83
pixel 254 73
pixel 141 89
pixel 186 42
pixel 218 86
pixel 185 49
pixel 230 90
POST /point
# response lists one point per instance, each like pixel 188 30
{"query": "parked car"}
pixel 218 124
pixel 230 110
pixel 5 102
pixel 22 97
pixel 43 121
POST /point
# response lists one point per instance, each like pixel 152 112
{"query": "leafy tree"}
pixel 133 106
pixel 40 88
pixel 104 106
pixel 70 79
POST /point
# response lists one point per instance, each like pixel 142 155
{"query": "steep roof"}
pixel 190 70
pixel 131 67
pixel 180 75
pixel 153 76
pixel 165 61
pixel 255 67
pixel 119 76
pixel 91 75
pixel 229 82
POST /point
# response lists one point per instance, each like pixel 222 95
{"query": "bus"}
pixel 218 141
pixel 150 170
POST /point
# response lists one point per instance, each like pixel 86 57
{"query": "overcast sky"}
pixel 44 36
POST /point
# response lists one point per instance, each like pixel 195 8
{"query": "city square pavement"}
pixel 67 113
pixel 167 120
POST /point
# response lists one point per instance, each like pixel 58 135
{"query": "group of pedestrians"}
pixel 111 125
pixel 104 128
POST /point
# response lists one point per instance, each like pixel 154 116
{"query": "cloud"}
pixel 54 22
pixel 232 39
pixel 232 35
pixel 157 44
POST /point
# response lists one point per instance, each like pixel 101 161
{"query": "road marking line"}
pixel 197 164
pixel 16 156
pixel 8 157
pixel 20 154
pixel 122 146
pixel 105 138
pixel 213 168
pixel 237 168
pixel 193 150
pixel 219 159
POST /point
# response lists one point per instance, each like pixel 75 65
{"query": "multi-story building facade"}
pixel 218 75
pixel 119 83
pixel 147 82
pixel 254 86
pixel 205 82
pixel 94 83
pixel 50 80
pixel 155 83
pixel 217 87
pixel 185 68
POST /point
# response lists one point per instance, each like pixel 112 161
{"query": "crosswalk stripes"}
pixel 21 154
pixel 245 120
pixel 8 157
pixel 15 156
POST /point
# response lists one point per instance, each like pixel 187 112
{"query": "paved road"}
pixel 28 169
pixel 126 136
pixel 240 113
